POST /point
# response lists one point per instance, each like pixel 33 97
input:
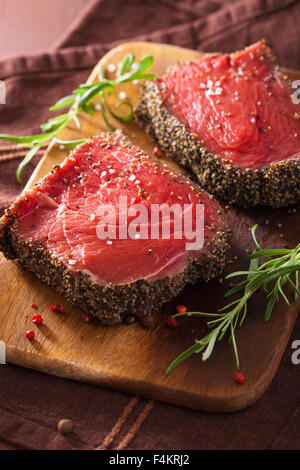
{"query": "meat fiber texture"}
pixel 53 230
pixel 230 119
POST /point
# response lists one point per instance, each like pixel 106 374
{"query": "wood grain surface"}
pixel 30 26
pixel 134 359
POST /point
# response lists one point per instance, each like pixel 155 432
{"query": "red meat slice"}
pixel 60 216
pixel 238 105
pixel 232 120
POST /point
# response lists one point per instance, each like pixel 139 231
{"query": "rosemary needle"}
pixel 83 99
pixel 271 266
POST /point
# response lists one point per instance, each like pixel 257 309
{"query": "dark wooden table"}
pixel 30 26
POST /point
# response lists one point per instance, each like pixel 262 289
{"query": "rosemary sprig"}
pixel 275 266
pixel 86 98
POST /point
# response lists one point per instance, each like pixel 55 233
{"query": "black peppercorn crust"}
pixel 110 303
pixel 274 185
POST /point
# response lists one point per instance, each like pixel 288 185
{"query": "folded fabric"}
pixel 31 403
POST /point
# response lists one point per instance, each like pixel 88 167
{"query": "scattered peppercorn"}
pixel 37 319
pixel 87 317
pixel 239 378
pixel 129 320
pixel 33 305
pixel 156 152
pixel 147 321
pixel 30 335
pixel 172 322
pixel 57 308
pixel 181 309
pixel 65 426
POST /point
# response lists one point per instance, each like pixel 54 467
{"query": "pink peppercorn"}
pixel 172 322
pixel 156 152
pixel 37 319
pixel 30 335
pixel 57 308
pixel 181 309
pixel 239 378
pixel 87 317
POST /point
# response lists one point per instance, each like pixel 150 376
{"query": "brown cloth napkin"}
pixel 32 403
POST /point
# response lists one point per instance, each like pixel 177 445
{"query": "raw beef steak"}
pixel 232 121
pixel 61 232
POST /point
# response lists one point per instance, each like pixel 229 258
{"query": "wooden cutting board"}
pixel 134 359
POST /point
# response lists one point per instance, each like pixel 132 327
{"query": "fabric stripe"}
pixel 136 426
pixel 117 427
pixel 12 156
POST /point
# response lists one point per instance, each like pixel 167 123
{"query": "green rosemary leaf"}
pixel 293 257
pixel 126 64
pixel 29 156
pixel 265 253
pixel 75 119
pixel 239 273
pixel 78 92
pixel 182 357
pixel 253 267
pixel 274 274
pixel 83 87
pixel 228 305
pixel 108 124
pixel 137 76
pixel 237 288
pixel 145 63
pixel 244 314
pixel 195 314
pixel 146 76
pixel 70 143
pixel 235 350
pixel 130 115
pixel 217 321
pixel 101 74
pixel 281 291
pixel 294 286
pixel 54 123
pixel 253 230
pixel 126 118
pixel 270 306
pixel 89 109
pixel 235 319
pixel 22 139
pixel 224 330
pixel 209 348
pixel 65 102
pixel 92 92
